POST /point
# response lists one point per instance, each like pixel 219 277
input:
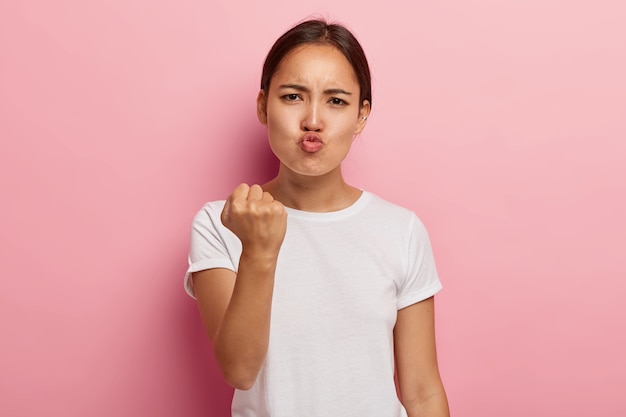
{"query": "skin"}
pixel 314 92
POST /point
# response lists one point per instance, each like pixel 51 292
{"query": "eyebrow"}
pixel 302 88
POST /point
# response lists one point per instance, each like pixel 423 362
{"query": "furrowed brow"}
pixel 296 87
pixel 332 91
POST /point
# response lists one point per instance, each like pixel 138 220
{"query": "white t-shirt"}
pixel 340 279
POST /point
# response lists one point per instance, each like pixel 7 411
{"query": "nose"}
pixel 312 120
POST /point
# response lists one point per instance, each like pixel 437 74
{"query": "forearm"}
pixel 243 335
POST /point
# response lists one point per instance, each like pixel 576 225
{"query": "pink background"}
pixel 501 123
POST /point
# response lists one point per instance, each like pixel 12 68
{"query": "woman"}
pixel 309 288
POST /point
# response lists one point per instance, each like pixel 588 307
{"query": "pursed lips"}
pixel 311 143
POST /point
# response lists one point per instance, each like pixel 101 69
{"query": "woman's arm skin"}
pixel 421 390
pixel 236 309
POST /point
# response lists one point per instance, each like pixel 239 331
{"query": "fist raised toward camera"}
pixel 259 221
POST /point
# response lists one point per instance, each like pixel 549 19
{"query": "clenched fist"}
pixel 259 221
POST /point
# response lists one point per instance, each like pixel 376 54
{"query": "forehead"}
pixel 315 63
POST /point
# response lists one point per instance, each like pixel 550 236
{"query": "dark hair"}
pixel 320 32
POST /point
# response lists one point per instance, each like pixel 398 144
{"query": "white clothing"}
pixel 340 279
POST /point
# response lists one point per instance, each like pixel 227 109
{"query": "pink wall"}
pixel 503 124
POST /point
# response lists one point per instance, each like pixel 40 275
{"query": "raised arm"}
pixel 236 309
pixel 421 390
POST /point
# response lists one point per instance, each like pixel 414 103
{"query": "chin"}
pixel 311 171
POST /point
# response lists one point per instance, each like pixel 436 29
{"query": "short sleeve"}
pixel 421 279
pixel 211 244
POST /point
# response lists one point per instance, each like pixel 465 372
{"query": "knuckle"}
pixel 242 187
pixel 238 207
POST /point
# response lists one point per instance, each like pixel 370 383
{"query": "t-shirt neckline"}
pixel 331 215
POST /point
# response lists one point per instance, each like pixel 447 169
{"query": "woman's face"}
pixel 312 110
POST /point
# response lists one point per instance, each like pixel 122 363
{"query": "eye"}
pixel 291 97
pixel 337 102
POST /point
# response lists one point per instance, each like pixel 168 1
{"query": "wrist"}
pixel 259 258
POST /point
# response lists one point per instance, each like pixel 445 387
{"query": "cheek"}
pixel 276 125
pixel 280 118
pixel 348 126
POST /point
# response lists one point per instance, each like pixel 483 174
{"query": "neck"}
pixel 323 193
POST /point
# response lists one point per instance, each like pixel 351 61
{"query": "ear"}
pixel 364 112
pixel 261 107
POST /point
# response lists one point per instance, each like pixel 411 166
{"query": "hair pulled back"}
pixel 318 31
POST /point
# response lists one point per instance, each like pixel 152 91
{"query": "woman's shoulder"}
pixel 394 214
pixel 397 219
pixel 209 212
pixel 213 205
pixel 393 209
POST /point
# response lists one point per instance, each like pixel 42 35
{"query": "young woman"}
pixel 314 292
